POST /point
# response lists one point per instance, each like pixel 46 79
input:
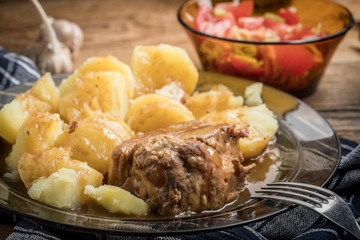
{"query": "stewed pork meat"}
pixel 192 166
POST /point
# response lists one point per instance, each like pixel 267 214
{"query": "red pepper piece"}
pixel 290 17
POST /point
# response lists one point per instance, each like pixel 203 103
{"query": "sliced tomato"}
pixel 244 9
pixel 207 23
pixel 231 16
pixel 288 32
pixel 241 63
pixel 246 65
pixel 290 16
pixel 202 16
pixel 273 24
pixel 300 32
pixel 251 23
pixel 233 21
pixel 294 59
pixel 239 10
pixel 282 29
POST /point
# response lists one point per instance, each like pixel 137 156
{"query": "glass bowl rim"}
pixel 292 42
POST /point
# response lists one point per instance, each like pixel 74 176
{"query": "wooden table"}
pixel 116 26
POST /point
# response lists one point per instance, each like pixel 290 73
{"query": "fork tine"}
pixel 257 195
pixel 324 198
pixel 300 197
pixel 304 185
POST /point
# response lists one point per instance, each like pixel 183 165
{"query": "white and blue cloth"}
pixel 297 223
pixel 16 69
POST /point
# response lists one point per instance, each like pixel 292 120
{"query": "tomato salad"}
pixel 234 20
pixel 283 65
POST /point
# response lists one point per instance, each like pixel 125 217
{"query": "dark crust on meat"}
pixel 192 166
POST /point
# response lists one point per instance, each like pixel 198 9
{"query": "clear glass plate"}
pixel 309 153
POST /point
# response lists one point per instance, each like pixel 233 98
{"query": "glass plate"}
pixel 309 153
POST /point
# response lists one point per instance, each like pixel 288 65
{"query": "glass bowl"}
pixel 293 66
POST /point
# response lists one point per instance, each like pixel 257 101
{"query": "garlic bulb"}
pixel 47 59
pixel 67 32
pixel 50 55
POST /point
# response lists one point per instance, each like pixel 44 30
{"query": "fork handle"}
pixel 354 229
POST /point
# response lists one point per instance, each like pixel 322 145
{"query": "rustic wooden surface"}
pixel 116 26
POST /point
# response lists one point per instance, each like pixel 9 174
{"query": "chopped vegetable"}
pixel 227 19
pixel 285 65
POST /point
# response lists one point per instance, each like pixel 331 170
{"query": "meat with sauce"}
pixel 193 166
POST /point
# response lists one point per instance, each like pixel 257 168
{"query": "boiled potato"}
pixel 61 189
pixel 153 111
pixel 43 163
pixel 255 144
pixel 173 90
pixel 42 97
pixel 93 139
pixel 96 91
pixel 201 103
pixel 117 200
pixel 259 121
pixel 215 87
pixel 12 116
pixel 39 131
pixel 45 90
pixel 262 119
pixel 253 94
pixel 157 66
pixel 99 64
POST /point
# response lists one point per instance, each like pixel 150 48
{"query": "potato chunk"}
pixel 99 64
pixel 201 103
pixel 253 94
pixel 172 90
pixel 157 66
pixel 153 111
pixel 42 97
pixel 45 90
pixel 39 131
pixel 43 163
pixel 12 116
pixel 93 139
pixel 259 121
pixel 117 200
pixel 96 91
pixel 61 189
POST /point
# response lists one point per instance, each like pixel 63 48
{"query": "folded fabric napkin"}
pixel 15 69
pixel 296 223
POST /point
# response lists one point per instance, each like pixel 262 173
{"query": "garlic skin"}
pixel 67 32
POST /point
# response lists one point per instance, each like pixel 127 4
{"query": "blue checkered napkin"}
pixel 297 223
pixel 16 69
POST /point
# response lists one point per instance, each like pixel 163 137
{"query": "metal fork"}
pixel 321 200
